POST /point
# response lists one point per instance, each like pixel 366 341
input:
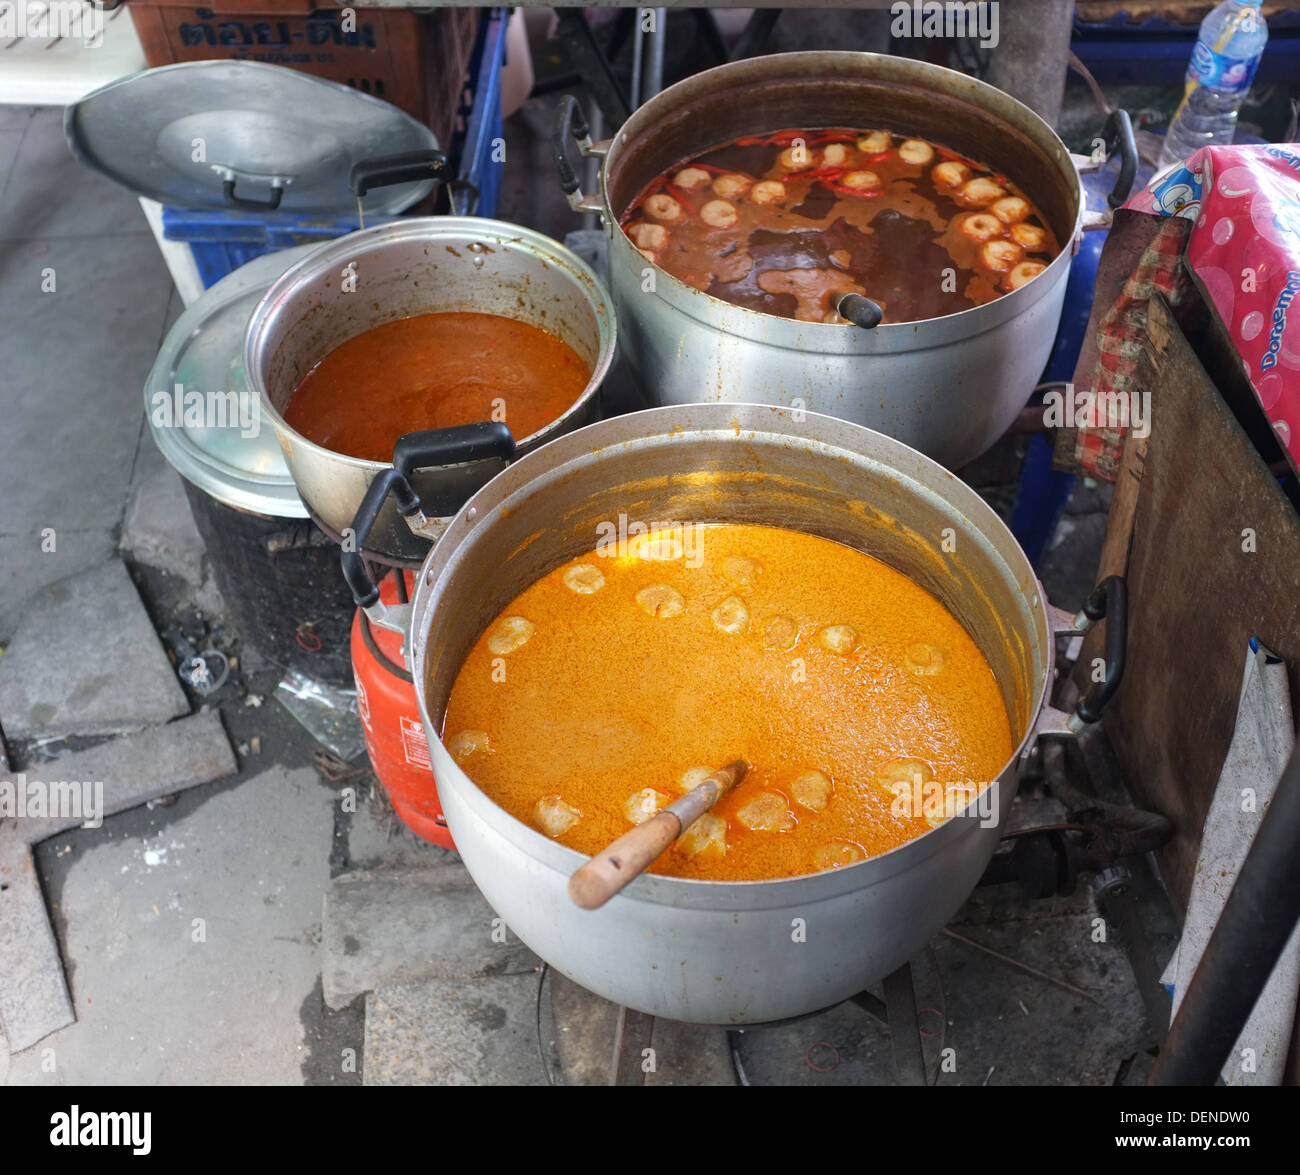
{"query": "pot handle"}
pixel 860 311
pixel 1108 602
pixel 407 167
pixel 363 587
pixel 431 448
pixel 453 446
pixel 270 204
pixel 570 121
pixel 1116 134
pixel 462 444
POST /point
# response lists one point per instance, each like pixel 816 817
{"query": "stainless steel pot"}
pixel 948 386
pixel 393 271
pixel 732 952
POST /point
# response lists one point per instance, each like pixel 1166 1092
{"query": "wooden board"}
pixel 1196 596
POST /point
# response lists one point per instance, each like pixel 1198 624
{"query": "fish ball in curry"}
pixel 838 638
pixel 584 579
pixel 663 207
pixel 661 601
pixel 731 616
pixel 732 185
pixel 812 789
pixel 554 816
pixel 511 633
pixel 719 214
pixel 767 812
pixel 707 836
pixel 645 804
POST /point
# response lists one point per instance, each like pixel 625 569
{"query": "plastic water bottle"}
pixel 1228 49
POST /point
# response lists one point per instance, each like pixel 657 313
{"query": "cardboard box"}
pixel 416 61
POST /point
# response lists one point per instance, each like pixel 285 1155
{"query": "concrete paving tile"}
pixel 159 529
pixel 72 398
pixel 9 143
pixel 16 118
pixel 26 569
pixel 49 194
pixel 33 992
pixel 85 660
pixel 482 1032
pixel 195 949
pixel 377 838
pixel 132 769
pixel 398 926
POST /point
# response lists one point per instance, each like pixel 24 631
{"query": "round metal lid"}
pixel 179 133
pixel 203 416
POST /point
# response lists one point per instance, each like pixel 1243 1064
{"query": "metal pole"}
pixel 1031 57
pixel 638 45
pixel 591 166
pixel 654 78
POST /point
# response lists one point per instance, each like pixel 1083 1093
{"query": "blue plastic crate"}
pixel 222 241
pixel 478 185
pixel 1155 52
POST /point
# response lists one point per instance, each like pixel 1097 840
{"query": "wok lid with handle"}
pixel 243 136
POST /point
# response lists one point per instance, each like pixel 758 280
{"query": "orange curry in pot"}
pixel 787 222
pixel 619 680
pixel 435 371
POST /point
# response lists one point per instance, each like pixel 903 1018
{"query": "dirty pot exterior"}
pixel 728 952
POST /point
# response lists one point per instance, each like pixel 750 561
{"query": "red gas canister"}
pixel 395 739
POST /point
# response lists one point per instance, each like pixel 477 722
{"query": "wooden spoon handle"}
pixel 616 865
pixel 637 849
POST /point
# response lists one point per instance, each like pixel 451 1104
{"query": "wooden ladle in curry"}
pixel 634 852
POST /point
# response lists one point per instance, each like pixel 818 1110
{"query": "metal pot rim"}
pixel 740 421
pixel 473 229
pixel 964 323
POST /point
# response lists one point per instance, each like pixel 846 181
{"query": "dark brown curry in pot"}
pixel 785 223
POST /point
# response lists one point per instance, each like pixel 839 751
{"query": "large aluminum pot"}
pixel 393 271
pixel 729 952
pixel 948 386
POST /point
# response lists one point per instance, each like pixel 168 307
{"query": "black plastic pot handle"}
pixel 569 120
pixel 427 449
pixel 406 168
pixel 364 590
pixel 249 202
pixel 1109 602
pixel 453 446
pixel 860 311
pixel 1118 133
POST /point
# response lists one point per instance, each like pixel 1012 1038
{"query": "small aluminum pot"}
pixel 419 266
pixel 734 952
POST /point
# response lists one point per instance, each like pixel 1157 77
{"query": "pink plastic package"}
pixel 1245 248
